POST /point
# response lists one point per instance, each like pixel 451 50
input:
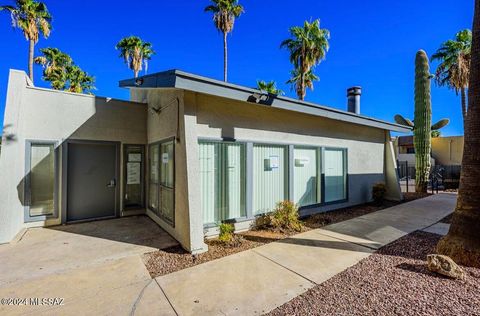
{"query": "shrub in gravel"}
pixel 283 218
pixel 226 232
pixel 227 236
pixel 378 193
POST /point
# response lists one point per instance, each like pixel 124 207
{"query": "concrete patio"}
pixel 248 283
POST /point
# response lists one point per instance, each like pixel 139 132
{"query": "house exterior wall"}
pixel 448 150
pixel 167 121
pixel 216 118
pixel 47 115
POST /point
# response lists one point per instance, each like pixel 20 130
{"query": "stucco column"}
pixel 392 181
pixel 197 244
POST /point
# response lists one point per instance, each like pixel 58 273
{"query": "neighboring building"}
pixel 187 151
pixel 446 151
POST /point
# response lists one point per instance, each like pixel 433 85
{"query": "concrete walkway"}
pixel 248 283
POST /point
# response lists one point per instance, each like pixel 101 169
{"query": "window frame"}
pixel 157 211
pixel 290 147
pixel 288 168
pixel 142 176
pixel 318 166
pixel 26 185
pixel 345 172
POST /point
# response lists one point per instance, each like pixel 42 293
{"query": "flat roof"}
pixel 186 81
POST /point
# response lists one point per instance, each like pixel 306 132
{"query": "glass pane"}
pixel 208 183
pixel 134 177
pixel 222 175
pixel 269 177
pixel 167 182
pixel 42 179
pixel 167 198
pixel 153 197
pixel 153 170
pixel 233 158
pixel 167 172
pixel 335 180
pixel 305 176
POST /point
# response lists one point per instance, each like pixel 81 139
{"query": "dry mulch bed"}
pixel 392 281
pixel 173 259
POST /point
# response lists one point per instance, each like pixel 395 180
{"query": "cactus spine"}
pixel 423 121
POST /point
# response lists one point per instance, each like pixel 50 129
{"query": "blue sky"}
pixel 373 44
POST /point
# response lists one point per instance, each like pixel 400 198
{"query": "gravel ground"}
pixel 393 281
pixel 173 259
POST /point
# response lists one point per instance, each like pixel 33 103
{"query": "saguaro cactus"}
pixel 422 123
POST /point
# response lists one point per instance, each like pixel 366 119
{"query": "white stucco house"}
pixel 188 151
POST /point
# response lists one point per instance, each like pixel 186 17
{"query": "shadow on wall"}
pixel 359 192
pixel 227 115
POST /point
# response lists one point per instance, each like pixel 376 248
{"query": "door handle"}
pixel 111 184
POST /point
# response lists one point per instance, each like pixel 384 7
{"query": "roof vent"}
pixel 353 99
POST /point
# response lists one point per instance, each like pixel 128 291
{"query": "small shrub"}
pixel 378 193
pixel 283 218
pixel 227 236
pixel 226 232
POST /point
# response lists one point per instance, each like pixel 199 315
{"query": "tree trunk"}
pixel 225 56
pixel 462 243
pixel 30 59
pixel 464 106
pixel 135 73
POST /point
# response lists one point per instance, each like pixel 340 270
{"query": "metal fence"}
pixel 441 177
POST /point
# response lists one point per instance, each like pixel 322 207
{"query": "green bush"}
pixel 226 232
pixel 378 193
pixel 283 218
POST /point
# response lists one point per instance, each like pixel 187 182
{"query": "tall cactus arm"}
pixel 440 124
pixel 403 121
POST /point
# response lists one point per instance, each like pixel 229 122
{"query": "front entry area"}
pixel 92 176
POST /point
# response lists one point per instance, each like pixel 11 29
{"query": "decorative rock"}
pixel 445 266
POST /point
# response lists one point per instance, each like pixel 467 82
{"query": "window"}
pixel 222 176
pixel 306 171
pixel 335 175
pixel 134 187
pixel 270 177
pixel 154 169
pixel 161 193
pixel 40 184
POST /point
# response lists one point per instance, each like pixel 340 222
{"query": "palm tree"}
pixel 78 80
pixel 308 46
pixel 269 87
pixel 224 14
pixel 462 243
pixel 300 82
pixel 454 68
pixel 32 18
pixel 135 52
pixel 54 63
